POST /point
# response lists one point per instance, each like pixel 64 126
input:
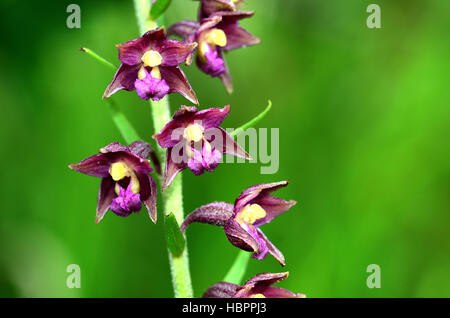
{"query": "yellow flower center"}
pixel 215 37
pixel 155 73
pixel 250 214
pixel 120 170
pixel 209 41
pixel 151 58
pixel 257 296
pixel 142 74
pixel 193 132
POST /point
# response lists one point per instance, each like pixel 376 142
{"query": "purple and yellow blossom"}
pixel 194 140
pixel 150 65
pixel 254 207
pixel 125 179
pixel 259 286
pixel 215 35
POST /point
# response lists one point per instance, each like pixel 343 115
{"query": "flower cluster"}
pixel 193 139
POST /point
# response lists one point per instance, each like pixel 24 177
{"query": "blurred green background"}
pixel 364 129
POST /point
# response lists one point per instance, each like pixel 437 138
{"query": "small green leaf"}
pixel 98 58
pixel 126 129
pixel 237 270
pixel 252 122
pixel 158 8
pixel 175 239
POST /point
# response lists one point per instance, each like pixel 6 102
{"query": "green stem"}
pixel 173 196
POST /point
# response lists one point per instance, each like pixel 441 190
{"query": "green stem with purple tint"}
pixel 172 196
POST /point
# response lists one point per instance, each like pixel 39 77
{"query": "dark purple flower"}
pixel 216 34
pixel 194 139
pixel 254 207
pixel 259 286
pixel 150 65
pixel 209 7
pixel 125 179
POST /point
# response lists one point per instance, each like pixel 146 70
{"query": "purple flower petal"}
pixel 131 52
pixel 185 29
pixel 256 190
pixel 273 206
pixel 215 213
pixel 145 151
pixel 211 117
pixel 225 76
pixel 175 52
pixel 214 65
pixel 277 292
pixel 275 252
pixel 242 238
pixel 172 168
pixel 105 197
pixel 238 37
pixel 177 82
pixel 114 147
pixel 229 17
pixel 267 278
pixel 211 158
pixel 148 194
pixel 231 147
pixel 96 165
pixel 209 23
pixel 221 290
pixel 151 87
pixel 171 134
pixel 208 7
pixel 141 149
pixel 261 284
pixel 126 202
pixel 123 79
pixel 195 163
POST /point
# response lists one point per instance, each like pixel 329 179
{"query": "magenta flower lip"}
pixel 259 286
pixel 253 208
pixel 216 34
pixel 125 179
pixel 194 140
pixel 150 65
